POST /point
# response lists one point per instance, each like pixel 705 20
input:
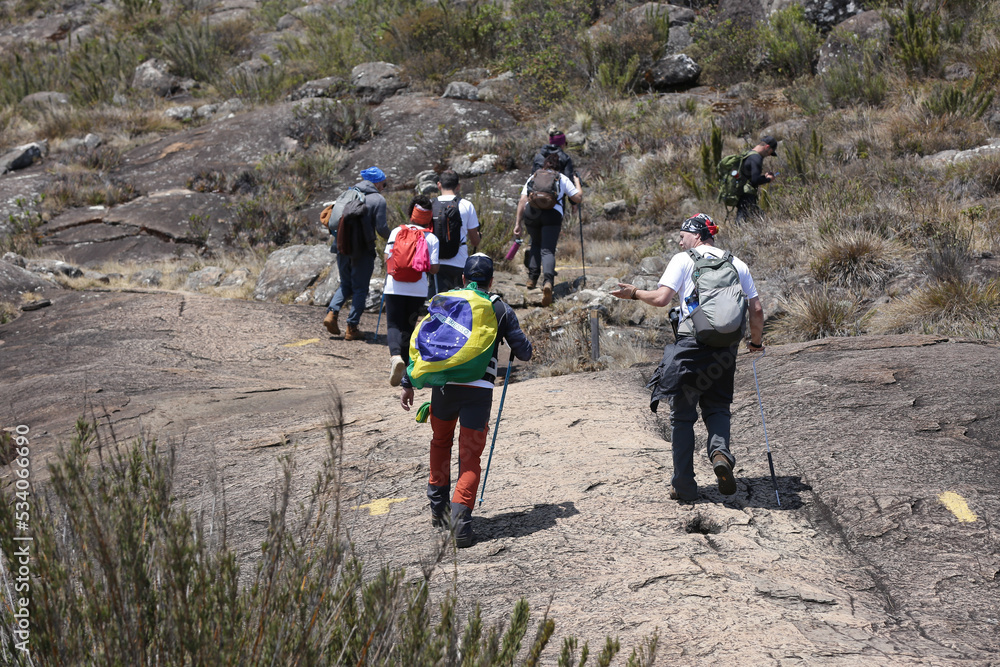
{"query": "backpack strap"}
pixel 501 313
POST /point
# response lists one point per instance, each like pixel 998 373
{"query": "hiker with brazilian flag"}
pixel 454 351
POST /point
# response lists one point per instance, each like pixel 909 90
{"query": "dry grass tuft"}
pixel 818 314
pixel 856 260
pixel 944 307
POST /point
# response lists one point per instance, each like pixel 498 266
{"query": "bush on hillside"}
pixel 619 53
pixel 818 314
pixel 125 573
pixel 916 39
pixel 856 260
pixel 847 84
pixel 728 52
pixel 962 307
pixel 343 123
pixel 792 43
pixel 970 100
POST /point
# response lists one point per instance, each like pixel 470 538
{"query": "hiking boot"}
pixel 531 284
pixel 461 525
pixel 546 294
pixel 440 520
pixel 331 323
pixel 398 368
pixel 353 333
pixel 676 496
pixel 724 471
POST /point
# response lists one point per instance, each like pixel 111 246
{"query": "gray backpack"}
pixel 719 317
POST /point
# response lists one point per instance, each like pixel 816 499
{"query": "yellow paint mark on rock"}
pixel 300 343
pixel 380 506
pixel 958 506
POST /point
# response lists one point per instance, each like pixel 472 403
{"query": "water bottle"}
pixel 514 247
pixel 691 302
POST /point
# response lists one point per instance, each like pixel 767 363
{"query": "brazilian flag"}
pixel 454 342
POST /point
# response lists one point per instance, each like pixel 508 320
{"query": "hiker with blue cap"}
pixel 454 351
pixel 356 269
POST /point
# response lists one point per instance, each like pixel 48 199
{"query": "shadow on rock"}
pixel 759 492
pixel 522 524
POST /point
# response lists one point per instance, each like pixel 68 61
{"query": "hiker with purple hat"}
pixel 555 147
pixel 356 269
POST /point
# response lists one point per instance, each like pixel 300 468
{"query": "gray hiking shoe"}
pixel 724 471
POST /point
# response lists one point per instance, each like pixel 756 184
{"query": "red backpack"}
pixel 410 257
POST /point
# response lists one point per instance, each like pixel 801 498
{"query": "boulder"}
pixel 471 74
pixel 652 266
pixel 680 39
pixel 46 101
pixel 154 75
pixel 847 38
pixel 468 166
pixel 146 278
pixel 420 132
pixel 327 287
pixel 426 182
pixel 237 278
pixel 210 276
pixel 672 72
pixel 52 267
pixel 331 86
pixel 613 209
pixel 500 88
pixel 376 81
pixel 15 281
pixel 23 156
pixel 206 111
pixel 291 270
pixel 182 114
pixel 825 14
pixel 460 90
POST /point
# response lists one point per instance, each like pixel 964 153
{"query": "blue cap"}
pixel 479 268
pixel 373 175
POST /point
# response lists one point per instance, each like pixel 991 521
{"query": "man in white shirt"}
pixel 692 374
pixel 453 253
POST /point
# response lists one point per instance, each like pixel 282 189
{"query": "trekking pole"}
pixel 510 363
pixel 583 260
pixel 770 461
pixel 381 305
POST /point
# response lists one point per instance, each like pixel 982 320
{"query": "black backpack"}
pixel 447 226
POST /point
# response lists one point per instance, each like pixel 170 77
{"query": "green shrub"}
pixel 200 50
pixel 916 39
pixel 131 9
pixel 618 55
pixel 728 52
pixel 847 83
pixel 328 47
pixel 958 99
pixel 801 158
pixel 126 574
pixel 266 85
pixel 791 42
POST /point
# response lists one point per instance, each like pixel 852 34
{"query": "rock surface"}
pixel 867 561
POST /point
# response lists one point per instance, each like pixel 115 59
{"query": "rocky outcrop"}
pixel 154 75
pixel 460 90
pixel 23 157
pixel 16 280
pixel 375 82
pixel 673 72
pixel 290 270
pixel 46 100
pixel 848 38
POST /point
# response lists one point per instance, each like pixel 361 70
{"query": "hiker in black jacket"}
pixel 752 173
pixel 555 147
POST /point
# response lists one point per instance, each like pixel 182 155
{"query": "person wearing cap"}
pixel 468 406
pixel 752 173
pixel 544 227
pixel 450 275
pixel 356 270
pixel 405 300
pixel 691 374
pixel 555 147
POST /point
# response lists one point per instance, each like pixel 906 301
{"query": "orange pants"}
pixel 470 449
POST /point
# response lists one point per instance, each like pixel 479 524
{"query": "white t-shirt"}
pixel 680 270
pixel 469 221
pixel 418 288
pixel 566 188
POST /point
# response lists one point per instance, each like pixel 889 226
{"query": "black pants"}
pixel 747 208
pixel 401 316
pixel 543 228
pixel 447 278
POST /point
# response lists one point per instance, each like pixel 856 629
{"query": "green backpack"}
pixel 720 312
pixel 730 177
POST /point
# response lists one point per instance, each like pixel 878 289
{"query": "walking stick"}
pixel 381 305
pixel 770 461
pixel 510 363
pixel 583 260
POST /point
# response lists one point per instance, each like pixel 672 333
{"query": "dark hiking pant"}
pixel 401 316
pixel 543 229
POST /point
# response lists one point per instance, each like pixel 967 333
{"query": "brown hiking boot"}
pixel 546 294
pixel 331 323
pixel 532 282
pixel 353 333
pixel 724 471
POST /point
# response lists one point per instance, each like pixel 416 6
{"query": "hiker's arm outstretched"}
pixel 660 297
